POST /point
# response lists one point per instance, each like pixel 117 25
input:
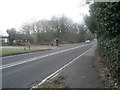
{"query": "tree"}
pixel 90 23
pixel 82 33
pixel 12 34
pixel 61 26
pixel 27 29
pixel 45 31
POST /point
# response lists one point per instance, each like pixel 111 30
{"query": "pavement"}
pixel 81 73
pixel 22 71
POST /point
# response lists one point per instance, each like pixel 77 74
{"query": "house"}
pixel 4 40
pixel 21 39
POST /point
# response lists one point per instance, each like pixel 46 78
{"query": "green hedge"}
pixel 109 50
pixel 106 19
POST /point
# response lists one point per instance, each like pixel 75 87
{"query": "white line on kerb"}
pixel 36 58
pixel 59 70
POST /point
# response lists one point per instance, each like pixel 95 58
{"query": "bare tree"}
pixel 61 28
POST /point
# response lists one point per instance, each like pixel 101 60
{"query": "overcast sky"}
pixel 14 13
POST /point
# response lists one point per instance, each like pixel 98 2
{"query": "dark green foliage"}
pixel 84 34
pixel 106 16
pixel 106 19
pixel 109 50
pixel 91 24
pixel 12 34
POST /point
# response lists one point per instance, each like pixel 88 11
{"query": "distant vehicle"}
pixel 87 41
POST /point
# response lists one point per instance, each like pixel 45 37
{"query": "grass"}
pixel 53 85
pixel 5 52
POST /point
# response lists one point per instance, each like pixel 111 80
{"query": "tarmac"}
pixel 81 73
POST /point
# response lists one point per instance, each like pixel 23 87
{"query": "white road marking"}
pixel 59 70
pixel 36 58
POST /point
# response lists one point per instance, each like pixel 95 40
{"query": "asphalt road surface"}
pixel 21 71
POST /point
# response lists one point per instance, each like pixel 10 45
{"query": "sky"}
pixel 15 13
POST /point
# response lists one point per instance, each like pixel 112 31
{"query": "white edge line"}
pixel 59 70
pixel 36 58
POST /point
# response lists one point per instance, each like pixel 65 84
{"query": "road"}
pixel 21 71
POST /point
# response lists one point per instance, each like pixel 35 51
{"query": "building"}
pixel 4 39
pixel 21 39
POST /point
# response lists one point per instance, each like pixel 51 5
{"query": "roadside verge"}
pixel 8 52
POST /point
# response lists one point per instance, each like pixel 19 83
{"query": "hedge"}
pixel 109 50
pixel 106 18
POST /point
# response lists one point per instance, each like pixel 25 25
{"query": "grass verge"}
pixel 7 52
pixel 53 85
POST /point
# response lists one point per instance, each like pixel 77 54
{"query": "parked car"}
pixel 87 41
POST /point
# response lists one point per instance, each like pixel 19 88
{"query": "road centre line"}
pixel 53 75
pixel 36 58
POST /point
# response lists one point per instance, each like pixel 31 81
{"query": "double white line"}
pixel 36 58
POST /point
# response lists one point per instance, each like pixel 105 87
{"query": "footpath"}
pixel 81 73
